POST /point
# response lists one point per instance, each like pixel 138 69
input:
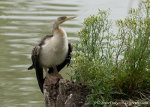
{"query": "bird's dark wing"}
pixel 66 61
pixel 35 62
pixel 36 65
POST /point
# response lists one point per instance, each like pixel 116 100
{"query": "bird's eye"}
pixel 62 18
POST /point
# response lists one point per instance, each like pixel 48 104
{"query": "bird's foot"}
pixel 55 70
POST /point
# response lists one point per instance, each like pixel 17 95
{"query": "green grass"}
pixel 114 65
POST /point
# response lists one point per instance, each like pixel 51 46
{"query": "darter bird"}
pixel 52 53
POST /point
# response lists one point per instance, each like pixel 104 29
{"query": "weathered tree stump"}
pixel 59 92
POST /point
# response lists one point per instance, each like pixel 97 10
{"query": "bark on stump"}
pixel 59 92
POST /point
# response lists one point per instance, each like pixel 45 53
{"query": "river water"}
pixel 22 24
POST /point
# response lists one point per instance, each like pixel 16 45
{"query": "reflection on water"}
pixel 22 24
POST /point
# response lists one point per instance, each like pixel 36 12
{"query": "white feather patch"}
pixel 54 50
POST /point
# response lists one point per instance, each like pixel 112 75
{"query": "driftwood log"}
pixel 59 92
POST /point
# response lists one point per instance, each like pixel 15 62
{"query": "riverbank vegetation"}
pixel 115 65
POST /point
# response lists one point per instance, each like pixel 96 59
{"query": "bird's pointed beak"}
pixel 69 18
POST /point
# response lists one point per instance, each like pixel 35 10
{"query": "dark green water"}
pixel 22 24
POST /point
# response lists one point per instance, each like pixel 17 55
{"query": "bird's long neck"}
pixel 59 35
pixel 55 27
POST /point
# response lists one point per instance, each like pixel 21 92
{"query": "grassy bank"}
pixel 115 65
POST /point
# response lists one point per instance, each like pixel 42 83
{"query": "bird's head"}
pixel 62 19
